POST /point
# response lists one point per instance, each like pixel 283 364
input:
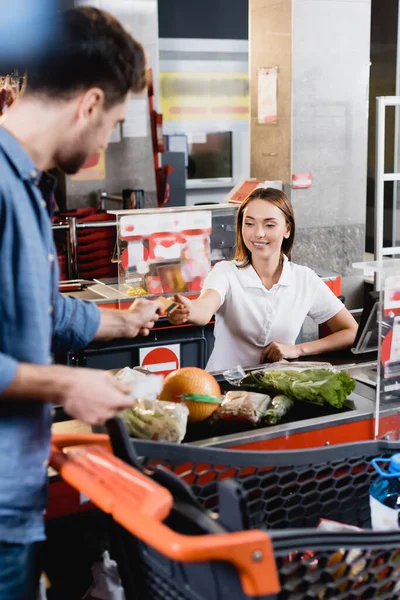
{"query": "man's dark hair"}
pixel 94 51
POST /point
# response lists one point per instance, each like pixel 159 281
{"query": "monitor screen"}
pixel 210 156
pixel 367 338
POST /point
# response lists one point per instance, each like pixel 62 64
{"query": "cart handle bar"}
pixel 140 505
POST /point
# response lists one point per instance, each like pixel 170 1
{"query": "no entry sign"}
pixel 160 360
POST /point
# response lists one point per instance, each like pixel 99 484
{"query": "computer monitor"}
pixel 367 338
pixel 210 158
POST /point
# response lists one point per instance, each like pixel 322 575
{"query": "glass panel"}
pixel 387 414
pixel 171 250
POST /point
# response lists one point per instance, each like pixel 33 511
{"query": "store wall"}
pixel 330 129
pixel 322 49
pixel 270 31
pixel 129 162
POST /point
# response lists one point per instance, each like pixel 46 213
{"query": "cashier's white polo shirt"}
pixel 250 316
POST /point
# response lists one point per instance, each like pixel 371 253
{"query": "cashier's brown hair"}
pixel 279 199
pixel 94 50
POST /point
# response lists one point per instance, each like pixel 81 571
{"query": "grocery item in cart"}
pixel 279 407
pixel 142 383
pixel 242 406
pixel 201 406
pixel 316 385
pixel 384 494
pixel 156 420
pixel 192 380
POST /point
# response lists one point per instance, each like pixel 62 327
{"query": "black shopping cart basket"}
pixel 209 524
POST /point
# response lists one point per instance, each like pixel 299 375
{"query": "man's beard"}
pixel 71 165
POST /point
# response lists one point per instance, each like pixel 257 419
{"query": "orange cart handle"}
pixel 140 505
pixel 65 440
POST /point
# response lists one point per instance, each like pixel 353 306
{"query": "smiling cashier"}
pixel 261 298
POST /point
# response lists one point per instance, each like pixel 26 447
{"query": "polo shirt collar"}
pixel 286 277
pixel 250 278
pixel 18 157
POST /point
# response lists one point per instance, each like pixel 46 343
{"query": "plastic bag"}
pixel 106 581
pixel 236 374
pixel 42 594
pixel 156 420
pixel 242 406
pixel 142 384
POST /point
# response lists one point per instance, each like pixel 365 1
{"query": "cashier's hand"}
pixel 182 312
pixel 91 395
pixel 276 351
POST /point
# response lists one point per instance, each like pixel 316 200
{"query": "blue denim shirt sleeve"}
pixel 75 322
pixel 8 371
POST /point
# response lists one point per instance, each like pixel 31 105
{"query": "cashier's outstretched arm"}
pixel 90 395
pixel 198 312
pixel 343 327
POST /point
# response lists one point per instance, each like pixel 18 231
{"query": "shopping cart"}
pixel 217 524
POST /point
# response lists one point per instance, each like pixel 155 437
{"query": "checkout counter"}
pixel 155 251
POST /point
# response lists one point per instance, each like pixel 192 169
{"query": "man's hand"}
pixel 181 314
pixel 138 319
pixel 142 315
pixel 90 395
pixel 276 351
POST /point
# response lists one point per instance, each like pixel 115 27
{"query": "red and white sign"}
pixel 301 180
pixel 162 359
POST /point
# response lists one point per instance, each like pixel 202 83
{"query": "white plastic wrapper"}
pixel 142 385
pixel 106 581
pixel 156 420
pixel 236 374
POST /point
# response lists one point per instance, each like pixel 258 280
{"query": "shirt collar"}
pixel 18 157
pixel 250 278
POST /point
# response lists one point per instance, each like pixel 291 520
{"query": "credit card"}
pixel 169 305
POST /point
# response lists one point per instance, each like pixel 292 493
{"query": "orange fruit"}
pixel 191 380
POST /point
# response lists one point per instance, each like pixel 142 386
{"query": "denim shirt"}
pixel 34 319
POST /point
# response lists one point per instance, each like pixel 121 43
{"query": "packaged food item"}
pixel 136 291
pixel 335 526
pixel 279 407
pixel 142 383
pixel 243 406
pixel 156 420
pixel 128 375
pixel 384 494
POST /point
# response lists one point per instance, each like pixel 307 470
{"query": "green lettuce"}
pixel 318 386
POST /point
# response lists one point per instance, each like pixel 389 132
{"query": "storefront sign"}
pixel 204 96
